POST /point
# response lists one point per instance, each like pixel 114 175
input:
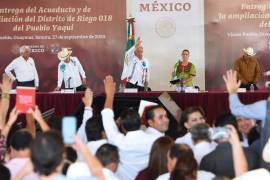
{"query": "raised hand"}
pixel 38 117
pixel 231 81
pixel 138 42
pixel 12 119
pixel 109 86
pixel 88 98
pixel 6 83
pixel 36 113
pixel 13 116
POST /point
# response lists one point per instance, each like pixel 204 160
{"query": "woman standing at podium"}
pixel 184 71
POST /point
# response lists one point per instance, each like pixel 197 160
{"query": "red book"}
pixel 25 99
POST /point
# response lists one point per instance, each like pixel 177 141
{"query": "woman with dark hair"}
pixel 184 70
pixel 158 159
pixel 190 116
pixel 186 169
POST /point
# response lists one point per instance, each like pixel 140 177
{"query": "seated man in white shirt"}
pixel 91 131
pixel 157 120
pixel 24 69
pixel 70 70
pixel 108 155
pixel 201 139
pixel 136 70
pixel 134 144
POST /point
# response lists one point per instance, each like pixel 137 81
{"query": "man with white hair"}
pixel 137 72
pixel 248 69
pixel 24 69
pixel 70 70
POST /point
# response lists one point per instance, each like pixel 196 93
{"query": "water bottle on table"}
pixel 252 88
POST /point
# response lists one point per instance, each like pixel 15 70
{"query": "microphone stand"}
pixel 182 84
pixel 69 82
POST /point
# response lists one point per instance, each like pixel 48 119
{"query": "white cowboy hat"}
pixel 249 51
pixel 64 54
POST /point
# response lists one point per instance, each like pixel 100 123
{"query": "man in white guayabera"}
pixel 70 70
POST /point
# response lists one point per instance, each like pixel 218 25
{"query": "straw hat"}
pixel 64 54
pixel 249 51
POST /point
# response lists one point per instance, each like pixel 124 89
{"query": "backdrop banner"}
pixel 230 27
pixel 94 29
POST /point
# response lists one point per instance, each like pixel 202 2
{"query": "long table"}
pixel 213 102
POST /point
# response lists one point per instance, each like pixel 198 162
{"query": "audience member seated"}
pixel 201 139
pixel 186 168
pixel 157 120
pixel 20 153
pixel 91 131
pixel 87 114
pixel 178 152
pixel 108 155
pixel 221 161
pixel 95 134
pixel 247 128
pixel 47 153
pixel 158 159
pixel 190 117
pixel 134 144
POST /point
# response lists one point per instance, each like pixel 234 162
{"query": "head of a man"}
pixel 67 60
pixel 25 52
pixel 108 155
pixel 139 52
pixel 185 55
pixel 247 57
pixel 200 132
pixel 20 144
pixel 94 128
pixel 157 118
pixel 129 120
pixel 177 151
pixel 245 125
pixel 47 153
pixel 191 116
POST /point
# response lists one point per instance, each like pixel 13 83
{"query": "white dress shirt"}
pixel 80 170
pixel 201 175
pixel 94 145
pixel 109 175
pixel 186 139
pixel 16 165
pixel 244 140
pixel 70 72
pixel 134 147
pixel 24 70
pixel 154 132
pixel 136 70
pixel 203 148
pixel 87 114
